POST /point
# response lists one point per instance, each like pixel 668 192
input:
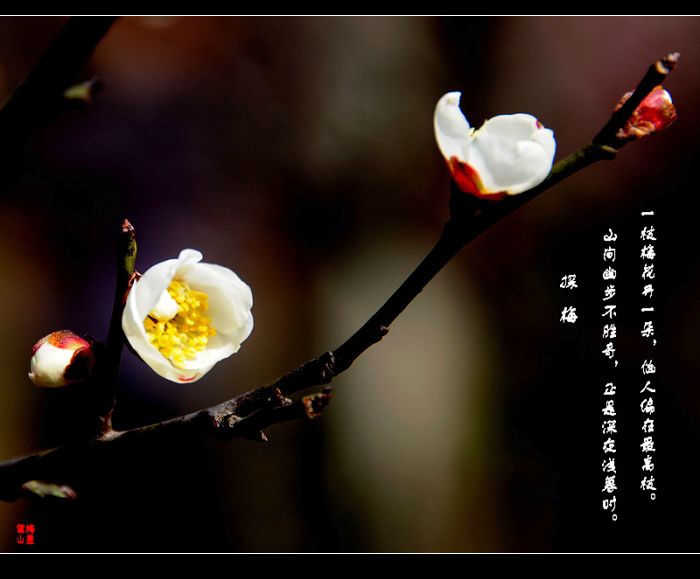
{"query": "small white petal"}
pixel 517 127
pixel 230 298
pixel 48 366
pixel 186 260
pixel 505 165
pixel 452 130
pixel 515 153
pixel 166 308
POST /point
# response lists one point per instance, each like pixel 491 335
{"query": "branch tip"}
pixel 128 229
pixel 666 64
pixel 281 399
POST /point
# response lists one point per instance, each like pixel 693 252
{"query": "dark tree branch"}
pixel 250 413
pixel 40 97
pixel 19 477
pixel 105 380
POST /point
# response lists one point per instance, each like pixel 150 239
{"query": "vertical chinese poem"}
pixel 609 334
pixel 647 403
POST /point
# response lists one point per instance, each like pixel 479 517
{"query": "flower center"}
pixel 185 333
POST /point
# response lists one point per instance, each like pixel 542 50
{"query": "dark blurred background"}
pixel 300 153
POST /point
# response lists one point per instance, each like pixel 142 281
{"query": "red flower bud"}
pixel 654 114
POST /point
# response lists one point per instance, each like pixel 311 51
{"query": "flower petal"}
pixel 509 154
pixel 452 130
pixel 219 347
pixel 230 298
pixel 512 153
pixel 517 127
pixel 48 365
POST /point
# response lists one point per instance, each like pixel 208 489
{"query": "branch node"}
pixel 133 278
pixel 607 153
pixel 84 92
pixel 229 421
pixel 281 399
pixel 328 369
pixel 314 404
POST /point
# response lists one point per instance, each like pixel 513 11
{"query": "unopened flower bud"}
pixel 60 358
pixel 655 113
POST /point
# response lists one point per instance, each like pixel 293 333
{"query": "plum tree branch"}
pixel 40 97
pixel 105 380
pixel 248 414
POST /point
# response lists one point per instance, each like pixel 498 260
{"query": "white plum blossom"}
pixel 183 316
pixel 59 359
pixel 509 154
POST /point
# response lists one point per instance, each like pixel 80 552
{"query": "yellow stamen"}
pixel 188 332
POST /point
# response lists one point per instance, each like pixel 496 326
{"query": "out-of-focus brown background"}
pixel 300 153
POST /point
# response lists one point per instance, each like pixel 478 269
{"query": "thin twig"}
pixel 248 414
